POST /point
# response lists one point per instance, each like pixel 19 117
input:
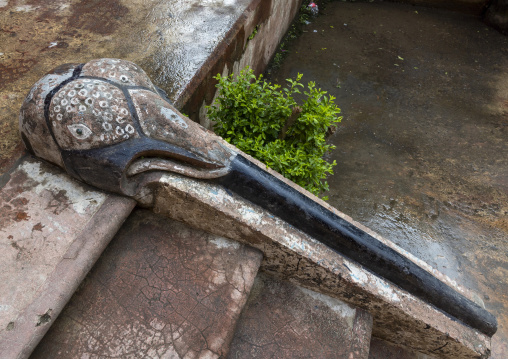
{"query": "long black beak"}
pixel 263 189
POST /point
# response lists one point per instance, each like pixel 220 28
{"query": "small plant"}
pixel 254 33
pixel 264 121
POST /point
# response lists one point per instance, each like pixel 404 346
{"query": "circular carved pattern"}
pixel 120 72
pixel 90 113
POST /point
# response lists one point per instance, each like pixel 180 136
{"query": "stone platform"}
pixel 160 290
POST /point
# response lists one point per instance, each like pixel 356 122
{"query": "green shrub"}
pixel 264 121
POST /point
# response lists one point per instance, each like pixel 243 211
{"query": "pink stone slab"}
pixel 52 230
pixel 160 290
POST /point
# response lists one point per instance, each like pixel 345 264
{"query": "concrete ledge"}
pixel 272 19
pixel 398 316
pixel 52 230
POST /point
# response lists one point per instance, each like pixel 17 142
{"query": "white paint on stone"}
pixel 219 278
pixel 250 216
pixel 206 354
pixel 25 8
pixel 236 295
pixel 221 242
pixel 59 227
pixel 360 276
pixel 157 324
pixel 5 307
pixel 81 200
pixel 4 3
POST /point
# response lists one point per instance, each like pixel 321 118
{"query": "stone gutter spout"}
pixel 106 124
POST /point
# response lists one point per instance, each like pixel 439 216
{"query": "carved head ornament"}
pixel 104 122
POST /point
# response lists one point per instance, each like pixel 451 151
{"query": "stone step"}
pixel 52 230
pixel 282 320
pixel 160 290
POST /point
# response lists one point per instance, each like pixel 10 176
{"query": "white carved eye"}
pixel 81 132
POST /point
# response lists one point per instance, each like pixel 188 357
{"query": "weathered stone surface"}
pixel 399 317
pixel 160 290
pixel 52 230
pixel 282 320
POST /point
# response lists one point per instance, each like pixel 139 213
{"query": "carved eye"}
pixel 81 132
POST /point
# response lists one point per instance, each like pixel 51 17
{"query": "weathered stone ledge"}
pixel 52 230
pixel 399 317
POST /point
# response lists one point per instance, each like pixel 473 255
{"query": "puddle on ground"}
pixel 422 150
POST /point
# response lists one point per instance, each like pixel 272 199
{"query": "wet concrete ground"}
pixel 422 150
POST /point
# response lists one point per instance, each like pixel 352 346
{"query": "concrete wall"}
pixel 236 51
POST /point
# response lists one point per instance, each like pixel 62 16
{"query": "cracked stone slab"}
pixel 160 290
pixel 52 230
pixel 282 320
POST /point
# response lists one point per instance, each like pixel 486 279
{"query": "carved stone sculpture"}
pixel 106 124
